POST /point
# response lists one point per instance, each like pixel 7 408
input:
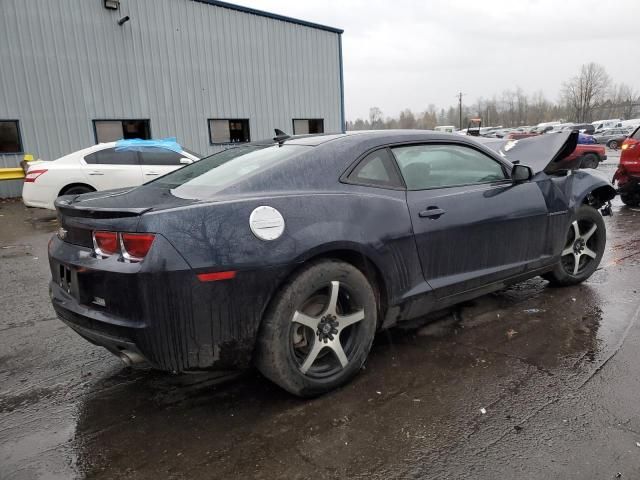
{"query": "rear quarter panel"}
pixel 370 221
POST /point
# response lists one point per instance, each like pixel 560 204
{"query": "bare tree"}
pixel 375 117
pixel 624 99
pixel 585 91
pixel 407 119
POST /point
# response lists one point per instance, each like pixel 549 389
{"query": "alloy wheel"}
pixel 325 331
pixel 579 251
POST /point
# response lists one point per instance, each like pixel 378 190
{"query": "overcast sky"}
pixel 407 54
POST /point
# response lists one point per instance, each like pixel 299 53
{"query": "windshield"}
pixel 222 169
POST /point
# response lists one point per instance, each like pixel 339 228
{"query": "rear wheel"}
pixel 613 144
pixel 77 190
pixel 590 160
pixel 631 199
pixel 583 248
pixel 318 332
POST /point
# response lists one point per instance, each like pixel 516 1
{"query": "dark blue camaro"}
pixel 292 254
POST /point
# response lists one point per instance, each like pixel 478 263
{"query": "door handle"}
pixel 96 173
pixel 431 212
pixel 152 173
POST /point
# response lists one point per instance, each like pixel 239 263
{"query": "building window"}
pixel 303 126
pixel 10 141
pixel 229 130
pixel 112 130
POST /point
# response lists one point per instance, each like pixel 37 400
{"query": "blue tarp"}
pixel 586 139
pixel 138 145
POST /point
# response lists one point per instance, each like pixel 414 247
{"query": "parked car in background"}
pixel 627 175
pixel 445 128
pixel 600 125
pixel 580 127
pixel 612 138
pixel 214 266
pixel 125 163
pixel 588 155
pixel 630 124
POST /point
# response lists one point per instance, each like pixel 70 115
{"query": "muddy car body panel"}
pixel 487 236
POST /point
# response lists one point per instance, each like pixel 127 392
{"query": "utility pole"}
pixel 460 94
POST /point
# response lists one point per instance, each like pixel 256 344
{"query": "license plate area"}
pixel 64 278
pixel 68 280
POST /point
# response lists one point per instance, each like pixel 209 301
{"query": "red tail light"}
pixel 105 243
pixel 135 246
pixel 32 175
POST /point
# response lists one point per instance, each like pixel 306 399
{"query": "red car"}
pixel 591 154
pixel 628 173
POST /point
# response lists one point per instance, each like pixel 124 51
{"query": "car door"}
pixel 108 168
pixel 156 161
pixel 472 224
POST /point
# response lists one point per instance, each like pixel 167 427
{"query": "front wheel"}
pixel 613 144
pixel 630 199
pixel 590 160
pixel 583 248
pixel 318 332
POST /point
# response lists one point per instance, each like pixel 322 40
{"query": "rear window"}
pixel 636 135
pixel 109 156
pixel 225 168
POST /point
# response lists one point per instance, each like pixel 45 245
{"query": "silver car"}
pixel 612 137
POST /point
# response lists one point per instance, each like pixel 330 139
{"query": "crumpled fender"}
pixel 584 182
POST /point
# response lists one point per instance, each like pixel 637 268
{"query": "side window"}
pixel 10 141
pixel 303 126
pixel 376 169
pixel 109 156
pixel 112 130
pixel 229 130
pixel 434 166
pixel 159 156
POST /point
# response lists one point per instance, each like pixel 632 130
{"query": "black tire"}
pixel 285 347
pixel 586 252
pixel 613 144
pixel 77 190
pixel 590 160
pixel 631 199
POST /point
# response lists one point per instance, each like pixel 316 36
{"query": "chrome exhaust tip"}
pixel 130 358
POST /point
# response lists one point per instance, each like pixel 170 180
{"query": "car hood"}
pixel 543 153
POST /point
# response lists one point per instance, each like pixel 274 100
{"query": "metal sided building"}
pixel 74 73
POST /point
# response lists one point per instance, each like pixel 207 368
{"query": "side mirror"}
pixel 521 173
pixel 186 161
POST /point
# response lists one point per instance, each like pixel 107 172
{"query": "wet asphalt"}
pixel 530 382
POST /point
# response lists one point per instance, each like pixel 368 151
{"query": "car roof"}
pixel 395 134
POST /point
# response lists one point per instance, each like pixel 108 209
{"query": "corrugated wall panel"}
pixel 177 63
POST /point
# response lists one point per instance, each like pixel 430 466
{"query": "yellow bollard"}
pixel 25 162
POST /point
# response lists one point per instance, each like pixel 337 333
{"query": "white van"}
pixel 632 123
pixel 606 124
pixel 445 128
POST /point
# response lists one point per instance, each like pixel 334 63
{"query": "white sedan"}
pixel 100 167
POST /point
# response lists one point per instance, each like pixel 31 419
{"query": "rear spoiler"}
pixel 69 206
pixel 543 153
pixel 64 207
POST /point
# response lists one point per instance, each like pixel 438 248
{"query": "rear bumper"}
pixel 40 196
pixel 118 340
pixel 158 309
pixel 628 184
